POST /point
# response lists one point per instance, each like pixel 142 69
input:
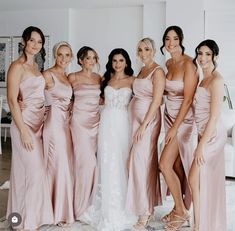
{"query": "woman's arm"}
pixel 158 79
pixel 13 85
pixel 71 78
pixel 48 79
pixel 190 84
pixel 217 93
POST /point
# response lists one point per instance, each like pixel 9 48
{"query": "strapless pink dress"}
pixel 175 97
pixel 58 150
pixel 84 128
pixel 144 182
pixel 29 190
pixel 212 176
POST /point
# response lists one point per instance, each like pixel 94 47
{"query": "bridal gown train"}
pixel 107 211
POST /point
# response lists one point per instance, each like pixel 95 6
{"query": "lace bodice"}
pixel 117 98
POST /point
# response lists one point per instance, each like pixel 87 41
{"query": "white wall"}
pixel 106 29
pixel 51 22
pixel 219 25
pixel 189 15
pixel 154 24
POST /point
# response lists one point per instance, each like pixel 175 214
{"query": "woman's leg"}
pixel 166 164
pixel 194 182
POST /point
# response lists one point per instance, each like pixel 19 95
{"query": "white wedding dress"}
pixel 107 212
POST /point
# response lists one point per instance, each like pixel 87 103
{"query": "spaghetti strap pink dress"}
pixel 212 176
pixel 144 182
pixel 29 190
pixel 58 150
pixel 174 89
pixel 84 128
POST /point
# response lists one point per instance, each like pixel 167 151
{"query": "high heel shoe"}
pixel 178 222
pixel 168 217
pixel 142 222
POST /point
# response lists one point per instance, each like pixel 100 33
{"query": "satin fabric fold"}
pixel 175 89
pixel 212 174
pixel 29 189
pixel 84 129
pixel 58 150
pixel 144 181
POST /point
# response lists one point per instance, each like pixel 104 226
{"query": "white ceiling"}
pixel 12 5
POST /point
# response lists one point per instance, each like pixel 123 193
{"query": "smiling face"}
pixel 145 52
pixel 89 61
pixel 172 42
pixel 63 56
pixel 118 63
pixel 204 57
pixel 34 44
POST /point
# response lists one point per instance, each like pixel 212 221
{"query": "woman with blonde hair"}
pixel 57 139
pixel 145 117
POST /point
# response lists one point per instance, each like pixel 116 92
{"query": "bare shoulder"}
pixel 47 73
pixel 159 72
pixel 188 62
pixel 97 76
pixel 168 62
pixel 217 79
pixel 132 78
pixel 16 68
pixel 71 76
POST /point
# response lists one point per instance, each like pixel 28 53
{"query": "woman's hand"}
pixel 139 133
pixel 26 140
pixel 170 135
pixel 198 155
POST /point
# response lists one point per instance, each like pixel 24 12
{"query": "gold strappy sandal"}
pixel 142 222
pixel 177 224
pixel 168 217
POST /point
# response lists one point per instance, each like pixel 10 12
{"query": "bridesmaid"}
pixel 144 183
pixel 84 126
pixel 208 185
pixel 181 82
pixel 29 191
pixel 56 135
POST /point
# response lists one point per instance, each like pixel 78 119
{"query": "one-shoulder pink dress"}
pixel 144 182
pixel 84 128
pixel 212 176
pixel 29 190
pixel 175 97
pixel 58 150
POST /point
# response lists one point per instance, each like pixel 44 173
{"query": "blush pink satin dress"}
pixel 84 128
pixel 212 176
pixel 175 97
pixel 144 182
pixel 58 150
pixel 29 190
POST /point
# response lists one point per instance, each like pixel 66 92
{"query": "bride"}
pixel 107 211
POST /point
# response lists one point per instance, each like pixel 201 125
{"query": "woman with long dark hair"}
pixel 29 190
pixel 176 157
pixel 84 126
pixel 107 211
pixel 207 177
